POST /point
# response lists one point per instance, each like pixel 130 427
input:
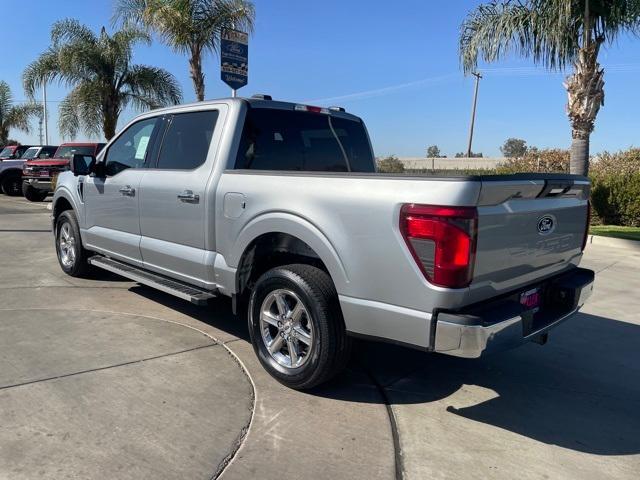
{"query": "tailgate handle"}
pixel 555 189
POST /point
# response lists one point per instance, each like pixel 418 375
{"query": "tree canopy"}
pixel 103 80
pixel 14 116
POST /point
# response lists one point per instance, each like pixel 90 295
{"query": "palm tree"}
pixel 14 116
pixel 554 33
pixel 191 27
pixel 102 78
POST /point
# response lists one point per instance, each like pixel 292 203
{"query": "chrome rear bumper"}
pixel 503 324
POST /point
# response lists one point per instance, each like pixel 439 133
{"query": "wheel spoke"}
pixel 269 318
pixel 297 312
pixel 281 303
pixel 293 351
pixel 276 344
pixel 303 336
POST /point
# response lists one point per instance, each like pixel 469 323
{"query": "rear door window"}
pixel 274 139
pixel 186 141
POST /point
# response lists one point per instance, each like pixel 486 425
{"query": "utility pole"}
pixel 40 131
pixel 44 113
pixel 473 112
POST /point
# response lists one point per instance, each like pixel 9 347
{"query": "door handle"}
pixel 188 196
pixel 128 191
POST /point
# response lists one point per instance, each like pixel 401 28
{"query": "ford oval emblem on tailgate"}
pixel 546 225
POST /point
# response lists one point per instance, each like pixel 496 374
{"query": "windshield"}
pixel 30 153
pixel 7 152
pixel 68 151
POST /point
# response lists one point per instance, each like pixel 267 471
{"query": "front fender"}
pixel 67 190
pixel 301 228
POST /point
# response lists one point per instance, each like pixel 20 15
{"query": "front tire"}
pixel 33 194
pixel 296 326
pixel 71 255
pixel 12 185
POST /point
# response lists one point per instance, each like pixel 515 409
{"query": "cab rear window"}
pixel 275 139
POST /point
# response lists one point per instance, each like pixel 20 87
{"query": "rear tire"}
pixel 12 184
pixel 33 194
pixel 71 255
pixel 295 308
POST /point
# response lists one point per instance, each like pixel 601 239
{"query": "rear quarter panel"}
pixel 350 220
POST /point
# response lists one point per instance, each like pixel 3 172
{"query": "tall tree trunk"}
pixel 579 162
pixel 110 114
pixel 585 91
pixel 4 136
pixel 195 69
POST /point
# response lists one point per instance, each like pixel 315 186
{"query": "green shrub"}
pixel 390 164
pixel 615 188
pixel 553 160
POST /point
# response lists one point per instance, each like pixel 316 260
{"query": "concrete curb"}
pixel 614 242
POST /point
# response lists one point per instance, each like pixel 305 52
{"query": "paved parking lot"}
pixel 103 378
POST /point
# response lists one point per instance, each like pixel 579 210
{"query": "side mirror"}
pixel 97 169
pixel 81 164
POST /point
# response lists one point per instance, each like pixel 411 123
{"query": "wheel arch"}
pixel 291 239
pixel 62 202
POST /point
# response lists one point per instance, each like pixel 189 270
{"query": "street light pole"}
pixel 473 111
pixel 44 113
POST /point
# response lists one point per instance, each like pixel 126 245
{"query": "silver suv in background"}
pixel 278 205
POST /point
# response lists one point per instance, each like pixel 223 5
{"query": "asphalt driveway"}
pixel 102 378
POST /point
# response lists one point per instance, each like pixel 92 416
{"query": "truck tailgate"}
pixel 528 229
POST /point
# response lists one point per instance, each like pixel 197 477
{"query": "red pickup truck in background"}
pixel 39 176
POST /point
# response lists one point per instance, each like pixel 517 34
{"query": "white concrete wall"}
pixel 449 163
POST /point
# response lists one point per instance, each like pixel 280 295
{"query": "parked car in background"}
pixel 11 168
pixel 280 207
pixel 11 152
pixel 39 175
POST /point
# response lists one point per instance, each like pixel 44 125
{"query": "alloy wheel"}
pixel 67 245
pixel 286 328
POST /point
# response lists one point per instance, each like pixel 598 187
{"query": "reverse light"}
pixel 442 241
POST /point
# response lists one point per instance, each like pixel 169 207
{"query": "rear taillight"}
pixel 586 228
pixel 442 241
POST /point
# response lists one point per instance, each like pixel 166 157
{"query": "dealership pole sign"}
pixel 234 58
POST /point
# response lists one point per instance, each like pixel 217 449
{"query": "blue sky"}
pixel 393 63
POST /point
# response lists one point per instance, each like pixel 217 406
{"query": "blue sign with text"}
pixel 234 58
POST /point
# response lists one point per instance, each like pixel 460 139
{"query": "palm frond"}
pixel 550 32
pixel 150 87
pixel 6 99
pixel 81 109
pixel 494 29
pixel 70 30
pixel 19 116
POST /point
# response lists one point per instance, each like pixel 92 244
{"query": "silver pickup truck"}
pixel 278 205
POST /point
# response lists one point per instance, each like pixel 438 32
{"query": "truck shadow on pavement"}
pixel 580 392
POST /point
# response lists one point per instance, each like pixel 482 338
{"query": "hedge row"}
pixel 615 190
pixel 615 180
